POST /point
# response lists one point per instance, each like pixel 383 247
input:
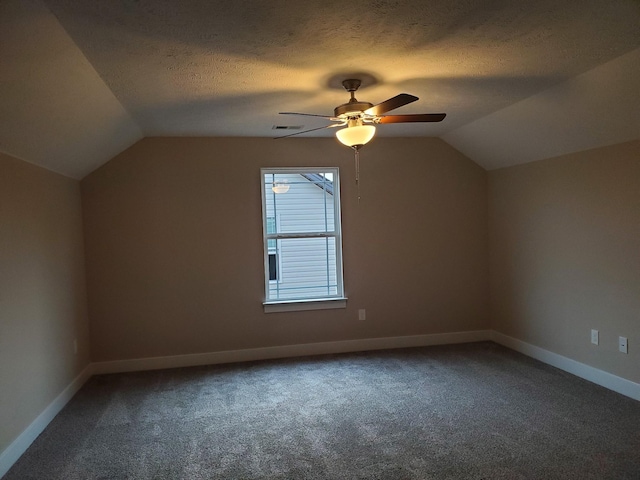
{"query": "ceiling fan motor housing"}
pixel 351 109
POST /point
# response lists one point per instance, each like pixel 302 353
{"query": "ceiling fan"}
pixel 360 118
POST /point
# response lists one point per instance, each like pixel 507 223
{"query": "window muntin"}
pixel 302 249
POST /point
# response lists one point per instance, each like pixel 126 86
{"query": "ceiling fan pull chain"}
pixel 357 158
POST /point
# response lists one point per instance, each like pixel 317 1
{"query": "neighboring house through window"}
pixel 302 236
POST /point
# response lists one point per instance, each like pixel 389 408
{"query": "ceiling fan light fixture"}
pixel 356 136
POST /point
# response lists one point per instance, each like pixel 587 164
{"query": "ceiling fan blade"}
pixel 333 125
pixel 305 114
pixel 392 103
pixel 424 117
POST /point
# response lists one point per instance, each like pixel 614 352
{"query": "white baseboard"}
pixel 13 452
pixel 286 351
pixel 599 377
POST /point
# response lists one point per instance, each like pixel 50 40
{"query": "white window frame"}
pixel 312 303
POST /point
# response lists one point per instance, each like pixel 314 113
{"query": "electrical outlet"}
pixel 622 344
pixel 595 337
pixel 362 314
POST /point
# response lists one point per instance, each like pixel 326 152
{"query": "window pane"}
pixel 308 269
pixel 271 228
pixel 306 206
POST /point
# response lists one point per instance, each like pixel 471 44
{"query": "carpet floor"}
pixel 473 411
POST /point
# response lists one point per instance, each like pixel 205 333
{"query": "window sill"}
pixel 302 305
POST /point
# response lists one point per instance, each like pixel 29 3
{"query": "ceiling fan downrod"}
pixel 353 108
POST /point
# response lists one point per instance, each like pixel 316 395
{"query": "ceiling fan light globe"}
pixel 356 136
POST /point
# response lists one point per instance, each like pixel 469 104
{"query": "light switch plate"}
pixel 622 344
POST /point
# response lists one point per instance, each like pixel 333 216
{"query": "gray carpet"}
pixel 475 411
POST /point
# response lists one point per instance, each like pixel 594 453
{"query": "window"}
pixel 302 240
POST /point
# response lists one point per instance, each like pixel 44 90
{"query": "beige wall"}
pixel 565 255
pixel 174 248
pixel 174 255
pixel 42 292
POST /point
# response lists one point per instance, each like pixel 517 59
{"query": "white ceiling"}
pixel 82 80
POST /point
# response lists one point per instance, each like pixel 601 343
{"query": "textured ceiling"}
pixel 221 68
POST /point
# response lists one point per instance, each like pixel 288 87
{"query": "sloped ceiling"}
pixel 81 80
pixel 55 110
pixel 597 108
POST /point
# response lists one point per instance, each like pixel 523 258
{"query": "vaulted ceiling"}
pixel 82 80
